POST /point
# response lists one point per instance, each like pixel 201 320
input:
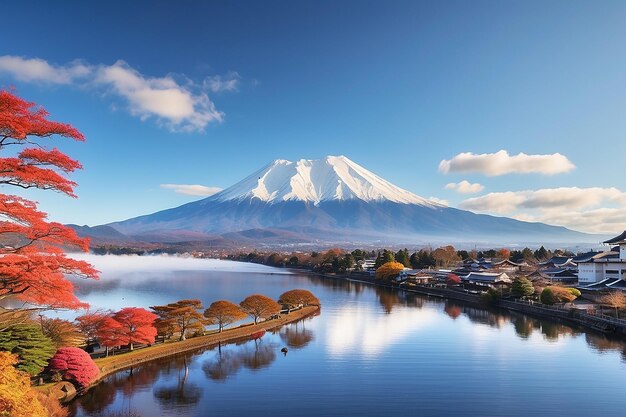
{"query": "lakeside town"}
pixel 593 281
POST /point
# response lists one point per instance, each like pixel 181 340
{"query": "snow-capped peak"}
pixel 315 181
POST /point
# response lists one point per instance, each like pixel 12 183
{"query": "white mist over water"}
pixel 115 264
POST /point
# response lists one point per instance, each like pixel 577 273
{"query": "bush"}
pixel 547 297
pixel 575 292
pixel 453 279
pixel 75 365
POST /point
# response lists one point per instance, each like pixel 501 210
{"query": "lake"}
pixel 371 352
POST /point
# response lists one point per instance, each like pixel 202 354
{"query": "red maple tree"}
pixel 75 365
pixel 34 265
pixel 453 279
pixel 91 324
pixel 137 326
pixel 109 333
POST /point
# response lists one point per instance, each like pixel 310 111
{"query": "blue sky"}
pixel 204 93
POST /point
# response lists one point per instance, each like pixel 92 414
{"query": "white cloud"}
pixel 38 70
pixel 501 163
pixel 219 83
pixel 439 201
pixel 178 105
pixel 164 98
pixel 594 209
pixel 465 187
pixel 191 189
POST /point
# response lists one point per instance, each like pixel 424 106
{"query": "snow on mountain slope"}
pixel 327 200
pixel 334 178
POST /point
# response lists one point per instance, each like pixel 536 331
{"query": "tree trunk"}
pixel 131 345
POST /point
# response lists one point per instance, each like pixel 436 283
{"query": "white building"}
pixel 609 265
pixel 486 278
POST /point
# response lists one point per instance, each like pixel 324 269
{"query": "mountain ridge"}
pixel 329 200
pixel 316 180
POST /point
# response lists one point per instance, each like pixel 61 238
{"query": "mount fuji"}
pixel 328 200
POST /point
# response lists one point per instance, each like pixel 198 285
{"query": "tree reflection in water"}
pixel 295 335
pixel 183 393
pixel 452 310
pixel 524 326
pixel 230 360
pixel 603 343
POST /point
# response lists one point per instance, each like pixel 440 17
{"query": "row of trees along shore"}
pixel 338 260
pixel 56 349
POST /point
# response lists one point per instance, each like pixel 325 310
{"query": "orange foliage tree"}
pixel 389 270
pixel 182 316
pixel 614 299
pixel 17 399
pixel 298 297
pixel 62 332
pixel 259 306
pixel 504 253
pixel 446 256
pixel 34 265
pixel 223 313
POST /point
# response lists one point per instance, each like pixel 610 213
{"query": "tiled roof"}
pixel 617 239
pixel 585 257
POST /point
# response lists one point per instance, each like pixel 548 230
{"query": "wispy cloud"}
pixel 594 209
pixel 465 187
pixel 39 70
pixel 501 163
pixel 192 189
pixel 173 104
pixel 178 104
pixel 219 83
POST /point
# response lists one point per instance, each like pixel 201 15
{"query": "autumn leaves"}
pixel 183 318
pixel 34 267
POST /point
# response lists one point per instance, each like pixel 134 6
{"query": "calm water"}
pixel 371 352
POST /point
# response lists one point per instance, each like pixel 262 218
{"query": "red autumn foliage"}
pixel 90 323
pixel 110 333
pixel 75 365
pixel 504 253
pixel 136 326
pixel 453 279
pixel 34 267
